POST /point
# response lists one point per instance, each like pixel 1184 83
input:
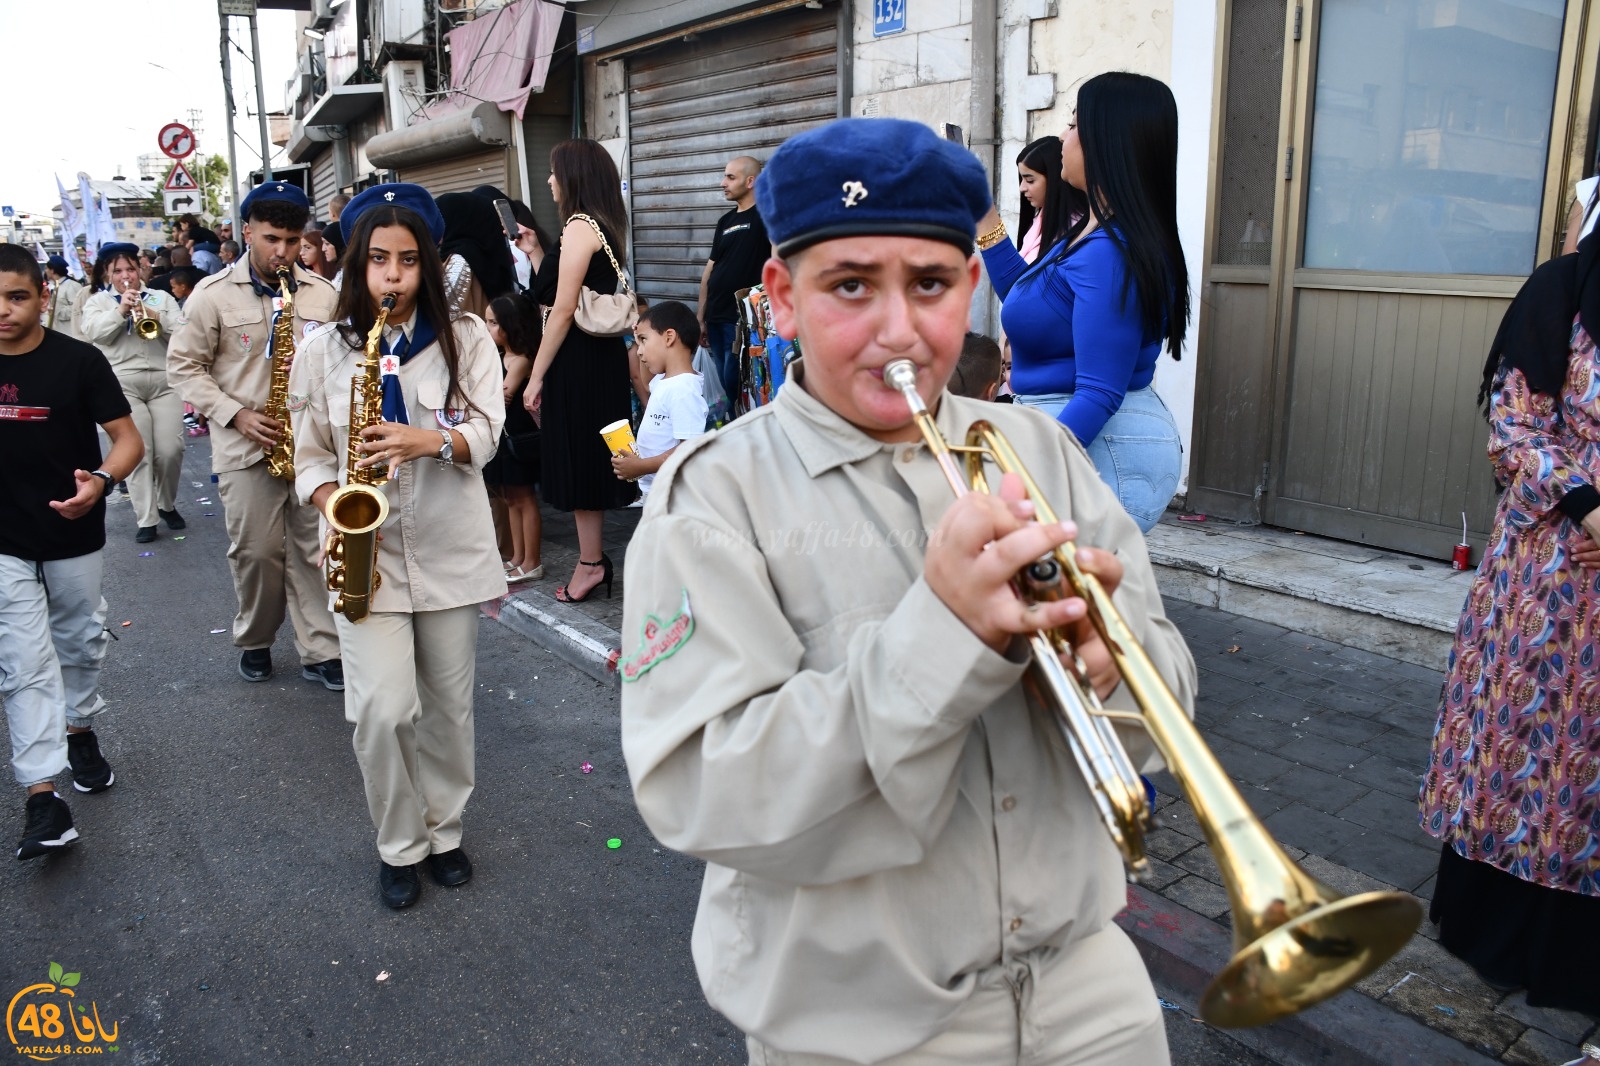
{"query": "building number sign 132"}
pixel 888 16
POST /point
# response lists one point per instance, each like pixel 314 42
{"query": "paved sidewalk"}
pixel 1328 744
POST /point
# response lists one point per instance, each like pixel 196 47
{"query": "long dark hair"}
pixel 519 321
pixel 356 306
pixel 1128 126
pixel 1063 205
pixel 587 183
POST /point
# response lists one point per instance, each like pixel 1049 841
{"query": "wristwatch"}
pixel 107 478
pixel 447 450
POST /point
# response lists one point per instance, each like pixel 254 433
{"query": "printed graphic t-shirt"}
pixel 676 413
pixel 51 399
pixel 738 252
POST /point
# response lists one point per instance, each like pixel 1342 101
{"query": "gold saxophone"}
pixel 357 509
pixel 280 456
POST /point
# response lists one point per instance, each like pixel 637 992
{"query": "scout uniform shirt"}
pixel 64 305
pixel 883 810
pixel 220 362
pixel 104 326
pixel 438 549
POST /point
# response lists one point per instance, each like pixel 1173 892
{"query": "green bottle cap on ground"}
pixel 614 843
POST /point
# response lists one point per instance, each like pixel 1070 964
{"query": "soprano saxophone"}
pixel 358 508
pixel 280 456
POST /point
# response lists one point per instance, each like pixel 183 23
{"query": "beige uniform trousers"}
pixel 158 413
pixel 408 681
pixel 272 551
pixel 1088 1004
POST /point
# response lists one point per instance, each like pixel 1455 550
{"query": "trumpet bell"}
pixel 149 329
pixel 1310 958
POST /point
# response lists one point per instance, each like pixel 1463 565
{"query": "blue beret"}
pixel 287 191
pixel 56 263
pixel 400 194
pixel 109 251
pixel 871 177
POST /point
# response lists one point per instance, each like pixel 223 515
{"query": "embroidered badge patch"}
pixel 309 328
pixel 244 341
pixel 298 401
pixel 450 418
pixel 660 640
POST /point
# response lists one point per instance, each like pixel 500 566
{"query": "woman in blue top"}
pixel 1087 322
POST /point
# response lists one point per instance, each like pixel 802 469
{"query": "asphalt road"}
pixel 222 903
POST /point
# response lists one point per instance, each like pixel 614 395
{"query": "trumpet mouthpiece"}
pixel 901 374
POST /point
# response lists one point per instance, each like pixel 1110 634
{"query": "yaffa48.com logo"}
pixel 46 1022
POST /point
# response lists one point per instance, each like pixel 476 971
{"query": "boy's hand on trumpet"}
pixel 983 542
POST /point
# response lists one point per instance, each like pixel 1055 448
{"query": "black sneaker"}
pixel 256 665
pixel 49 826
pixel 122 487
pixel 330 673
pixel 90 771
pixel 173 519
pixel 450 868
pixel 398 886
pixel 145 535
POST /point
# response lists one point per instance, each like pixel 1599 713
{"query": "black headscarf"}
pixel 1535 336
pixel 472 231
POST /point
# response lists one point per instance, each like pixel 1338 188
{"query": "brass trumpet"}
pixel 144 323
pixel 1296 941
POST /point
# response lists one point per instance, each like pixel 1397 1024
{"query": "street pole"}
pixel 227 111
pixel 261 105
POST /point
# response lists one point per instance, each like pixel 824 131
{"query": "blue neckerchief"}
pixel 394 400
pixel 263 289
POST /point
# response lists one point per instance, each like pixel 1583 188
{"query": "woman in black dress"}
pixel 513 322
pixel 579 382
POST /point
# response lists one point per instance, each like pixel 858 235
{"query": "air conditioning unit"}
pixel 401 22
pixel 321 15
pixel 405 90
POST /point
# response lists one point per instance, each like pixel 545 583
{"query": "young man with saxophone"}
pixel 224 363
pixel 905 864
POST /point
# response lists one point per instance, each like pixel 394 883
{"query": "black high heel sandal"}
pixel 563 596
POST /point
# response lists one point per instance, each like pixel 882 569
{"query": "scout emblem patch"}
pixel 450 418
pixel 244 342
pixel 660 640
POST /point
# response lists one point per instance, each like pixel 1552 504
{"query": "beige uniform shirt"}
pixel 64 304
pixel 438 549
pixel 220 361
pixel 104 326
pixel 883 809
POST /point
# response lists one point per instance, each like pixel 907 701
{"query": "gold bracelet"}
pixel 992 238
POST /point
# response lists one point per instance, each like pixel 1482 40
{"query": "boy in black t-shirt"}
pixel 53 392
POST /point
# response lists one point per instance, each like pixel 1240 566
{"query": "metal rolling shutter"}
pixel 461 174
pixel 694 105
pixel 324 184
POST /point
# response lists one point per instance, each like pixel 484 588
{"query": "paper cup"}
pixel 618 436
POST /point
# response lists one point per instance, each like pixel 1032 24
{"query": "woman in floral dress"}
pixel 1513 780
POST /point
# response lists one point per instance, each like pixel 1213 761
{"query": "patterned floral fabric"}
pixel 1514 776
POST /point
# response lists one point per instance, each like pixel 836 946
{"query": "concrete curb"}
pixel 561 629
pixel 1184 950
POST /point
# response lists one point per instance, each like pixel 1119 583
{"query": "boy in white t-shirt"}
pixel 665 338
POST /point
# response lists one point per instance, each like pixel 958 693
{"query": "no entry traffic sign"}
pixel 176 140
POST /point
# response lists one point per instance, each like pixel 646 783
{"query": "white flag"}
pixel 71 227
pixel 91 219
